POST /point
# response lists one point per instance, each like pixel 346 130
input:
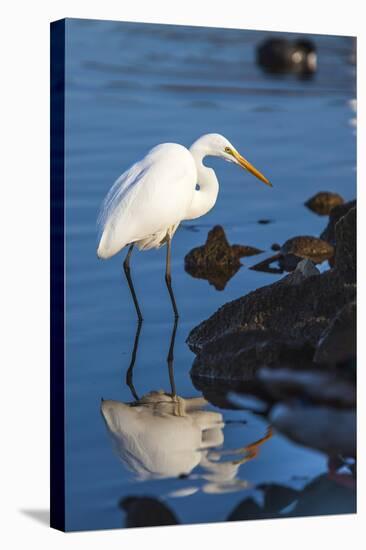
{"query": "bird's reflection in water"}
pixel 163 435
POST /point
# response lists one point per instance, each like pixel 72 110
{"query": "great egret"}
pixel 147 202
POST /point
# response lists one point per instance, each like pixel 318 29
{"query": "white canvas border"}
pixel 25 268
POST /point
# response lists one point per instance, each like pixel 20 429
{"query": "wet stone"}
pixel 280 323
pixel 217 261
pixel 323 202
pixel 146 512
pixel 346 249
pixel 338 342
pixel 293 251
pixel 336 214
pixel 312 248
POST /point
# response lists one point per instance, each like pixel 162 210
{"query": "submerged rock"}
pixel 322 203
pixel 217 260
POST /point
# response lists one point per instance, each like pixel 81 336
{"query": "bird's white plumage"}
pixel 149 199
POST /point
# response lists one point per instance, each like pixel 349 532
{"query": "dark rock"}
pixel 335 215
pixel 238 355
pixel 311 248
pixel 147 512
pixel 282 322
pixel 337 344
pixel 216 391
pixel 248 509
pixel 266 265
pixel 322 203
pixel 345 258
pixel 217 260
pixel 277 497
pixel 264 221
pixel 289 262
pixel 294 250
pixel 279 56
pixel 323 496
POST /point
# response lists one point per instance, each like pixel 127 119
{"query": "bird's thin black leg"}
pixel 170 358
pixel 168 277
pixel 129 373
pixel 127 270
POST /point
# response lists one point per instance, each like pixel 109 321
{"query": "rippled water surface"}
pixel 129 87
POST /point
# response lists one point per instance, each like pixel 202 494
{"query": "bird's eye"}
pixel 227 150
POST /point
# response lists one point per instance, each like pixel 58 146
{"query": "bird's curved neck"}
pixel 205 197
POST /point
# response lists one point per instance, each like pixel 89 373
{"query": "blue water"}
pixel 128 87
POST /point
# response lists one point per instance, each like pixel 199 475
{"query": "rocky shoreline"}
pixel 282 321
pixel 292 345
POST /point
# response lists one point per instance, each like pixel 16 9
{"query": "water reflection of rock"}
pixel 217 261
pixel 147 512
pixel 315 409
pixel 217 392
pixel 282 321
pixel 321 496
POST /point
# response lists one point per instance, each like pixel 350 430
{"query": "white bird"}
pixel 146 204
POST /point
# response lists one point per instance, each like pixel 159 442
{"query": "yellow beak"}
pixel 246 164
